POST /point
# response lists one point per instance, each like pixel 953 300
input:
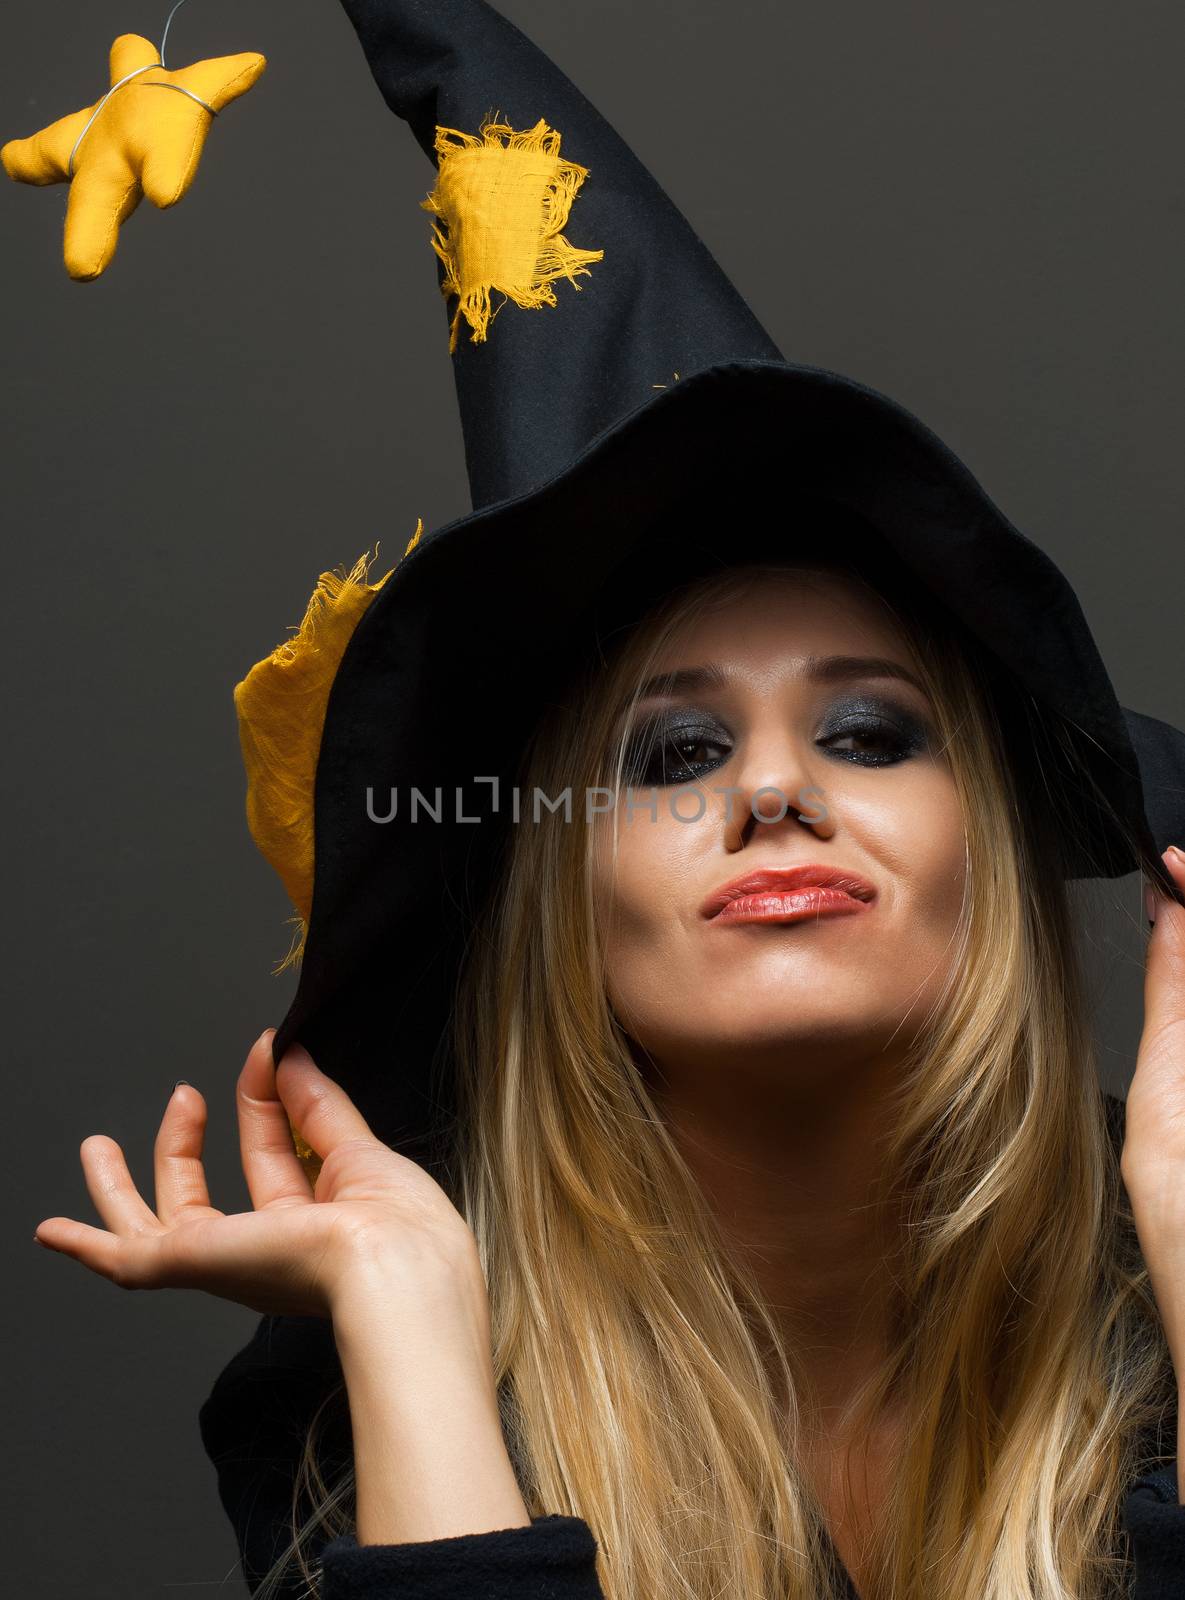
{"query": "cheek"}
pixel 942 847
pixel 918 835
pixel 640 902
pixel 948 862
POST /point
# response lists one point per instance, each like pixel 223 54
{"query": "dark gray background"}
pixel 977 209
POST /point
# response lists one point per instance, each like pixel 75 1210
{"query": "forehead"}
pixel 785 616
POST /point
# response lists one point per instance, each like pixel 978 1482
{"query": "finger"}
pixel 320 1108
pixel 271 1165
pixel 93 1247
pixel 1164 975
pixel 109 1183
pixel 104 194
pixel 179 1175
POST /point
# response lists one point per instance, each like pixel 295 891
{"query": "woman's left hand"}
pixel 1153 1159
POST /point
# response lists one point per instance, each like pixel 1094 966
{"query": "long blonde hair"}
pixel 644 1385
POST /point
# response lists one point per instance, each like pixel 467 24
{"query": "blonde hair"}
pixel 644 1385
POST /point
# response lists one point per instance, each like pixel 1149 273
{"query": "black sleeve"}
pixel 553 1559
pixel 1155 1522
pixel 253 1426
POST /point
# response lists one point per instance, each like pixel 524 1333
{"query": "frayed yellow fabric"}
pixel 306 1155
pixel 503 197
pixel 146 140
pixel 281 706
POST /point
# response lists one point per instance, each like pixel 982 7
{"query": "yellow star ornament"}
pixel 144 137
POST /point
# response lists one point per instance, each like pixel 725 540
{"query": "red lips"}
pixel 773 880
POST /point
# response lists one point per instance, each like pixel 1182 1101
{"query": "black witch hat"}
pixel 605 381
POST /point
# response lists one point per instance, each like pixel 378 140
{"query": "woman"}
pixel 762 1243
pixel 815 1185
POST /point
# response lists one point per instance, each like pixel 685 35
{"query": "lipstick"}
pixel 789 894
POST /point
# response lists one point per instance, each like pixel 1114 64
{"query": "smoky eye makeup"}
pixel 682 743
pixel 674 745
pixel 873 729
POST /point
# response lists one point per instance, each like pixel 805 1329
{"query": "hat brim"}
pixel 453 662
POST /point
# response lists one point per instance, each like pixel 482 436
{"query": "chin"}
pixel 767 1006
pixel 775 1039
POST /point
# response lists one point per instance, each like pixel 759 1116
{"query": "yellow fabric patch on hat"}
pixel 281 706
pixel 504 196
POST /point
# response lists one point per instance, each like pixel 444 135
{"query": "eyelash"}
pixel 902 731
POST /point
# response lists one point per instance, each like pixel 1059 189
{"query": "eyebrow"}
pixel 819 669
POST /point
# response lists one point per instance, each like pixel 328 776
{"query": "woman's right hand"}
pixel 300 1247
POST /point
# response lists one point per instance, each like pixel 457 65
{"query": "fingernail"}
pixel 179 1082
pixel 1150 904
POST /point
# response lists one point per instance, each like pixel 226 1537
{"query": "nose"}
pixel 777 786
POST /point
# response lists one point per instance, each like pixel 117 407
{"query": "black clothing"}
pixel 254 1421
pixel 252 1426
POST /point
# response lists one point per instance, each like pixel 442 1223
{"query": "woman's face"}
pixel 817 981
